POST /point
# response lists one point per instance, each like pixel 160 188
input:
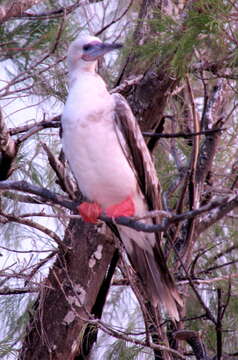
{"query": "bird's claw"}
pixel 90 212
pixel 124 208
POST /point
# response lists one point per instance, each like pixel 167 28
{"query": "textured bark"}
pixel 76 286
pixel 193 338
pixel 8 151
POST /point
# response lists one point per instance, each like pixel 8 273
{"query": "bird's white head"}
pixel 86 50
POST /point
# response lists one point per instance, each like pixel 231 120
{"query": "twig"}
pixel 209 281
pixel 114 21
pixel 192 184
pixel 182 134
pixel 34 127
pixel 110 331
pixel 219 325
pixel 64 181
pixel 59 32
pixel 34 225
pixel 8 291
pixel 217 267
pixel 39 265
pixel 26 251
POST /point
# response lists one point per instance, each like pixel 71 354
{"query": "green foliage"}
pixel 14 324
pixel 123 351
pixel 24 40
pixel 175 44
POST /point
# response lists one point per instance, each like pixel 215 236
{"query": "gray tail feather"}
pixel 154 274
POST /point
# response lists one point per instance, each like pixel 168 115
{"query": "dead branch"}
pixel 64 180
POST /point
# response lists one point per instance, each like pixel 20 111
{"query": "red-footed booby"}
pixel 112 165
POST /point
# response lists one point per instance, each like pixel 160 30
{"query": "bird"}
pixel 111 163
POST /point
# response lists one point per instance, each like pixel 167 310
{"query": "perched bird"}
pixel 112 165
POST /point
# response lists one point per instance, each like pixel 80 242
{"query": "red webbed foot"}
pixel 124 208
pixel 90 212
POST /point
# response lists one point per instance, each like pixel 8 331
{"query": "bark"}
pixel 8 151
pixel 193 338
pixel 76 287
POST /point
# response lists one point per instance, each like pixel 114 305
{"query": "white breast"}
pixel 91 145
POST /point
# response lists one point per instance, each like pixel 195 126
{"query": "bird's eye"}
pixel 87 47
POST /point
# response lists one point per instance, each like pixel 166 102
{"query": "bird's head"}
pixel 86 50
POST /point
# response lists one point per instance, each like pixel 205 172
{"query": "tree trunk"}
pixel 76 289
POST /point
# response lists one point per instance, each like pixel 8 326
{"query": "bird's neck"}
pixel 82 70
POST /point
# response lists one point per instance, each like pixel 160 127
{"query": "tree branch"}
pixel 193 338
pixel 181 134
pixel 64 180
pixel 32 224
pixel 227 205
pixel 45 194
pixel 8 291
pixel 12 8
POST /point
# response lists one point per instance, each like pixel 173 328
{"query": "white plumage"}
pixel 109 157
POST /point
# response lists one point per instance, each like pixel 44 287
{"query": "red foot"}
pixel 90 212
pixel 124 208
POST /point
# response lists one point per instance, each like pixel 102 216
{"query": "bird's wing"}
pixel 137 153
pixel 148 259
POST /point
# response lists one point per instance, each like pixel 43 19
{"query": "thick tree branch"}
pixel 44 194
pixel 140 226
pixel 193 338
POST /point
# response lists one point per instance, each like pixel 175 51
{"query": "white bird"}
pixel 112 165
